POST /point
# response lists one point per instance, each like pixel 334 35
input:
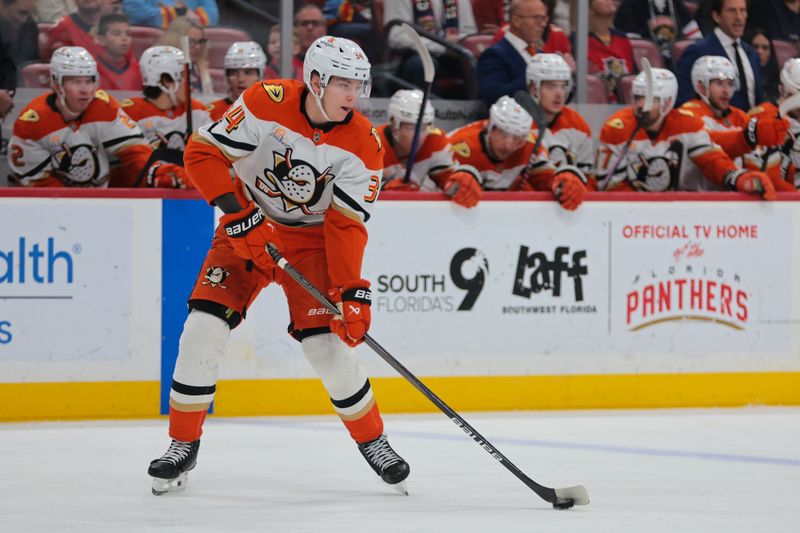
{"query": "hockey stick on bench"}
pixel 428 73
pixel 560 498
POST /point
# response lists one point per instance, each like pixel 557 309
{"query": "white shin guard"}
pixel 344 378
pixel 201 347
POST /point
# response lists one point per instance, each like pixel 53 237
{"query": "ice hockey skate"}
pixel 391 468
pixel 170 471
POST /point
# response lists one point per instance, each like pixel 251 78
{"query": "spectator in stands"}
pixel 199 76
pixel 780 19
pixel 116 65
pixel 550 40
pixel 19 35
pixel 501 68
pixel 111 7
pixel 160 13
pixel 725 40
pixel 662 21
pixel 273 68
pixel 349 18
pixel 309 25
pixel 53 10
pixel 610 51
pixel 451 25
pixel 77 29
pixel 767 60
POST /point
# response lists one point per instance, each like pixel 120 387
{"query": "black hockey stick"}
pixel 560 498
pixel 428 73
pixel 187 90
pixel 526 102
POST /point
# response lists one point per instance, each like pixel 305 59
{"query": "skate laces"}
pixel 177 452
pixel 380 453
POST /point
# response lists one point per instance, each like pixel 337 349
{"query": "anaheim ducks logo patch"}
pixel 215 276
pixel 78 165
pixel 173 140
pixel 102 95
pixel 296 182
pixel 29 116
pixel 462 149
pixel 274 91
pixel 615 123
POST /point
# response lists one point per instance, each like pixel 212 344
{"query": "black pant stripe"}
pixel 354 399
pixel 190 390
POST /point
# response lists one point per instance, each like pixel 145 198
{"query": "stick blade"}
pixel 428 70
pixel 525 101
pixel 569 496
pixel 648 76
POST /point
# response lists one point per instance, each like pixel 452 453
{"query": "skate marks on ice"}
pixel 654 471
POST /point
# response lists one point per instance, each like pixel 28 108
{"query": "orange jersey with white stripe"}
pixel 165 128
pixel 470 147
pixel 681 156
pixel 318 179
pixel 217 108
pixel 568 140
pixel 726 131
pixel 45 150
pixel 433 163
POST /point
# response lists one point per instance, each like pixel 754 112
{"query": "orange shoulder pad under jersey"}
pixel 139 108
pixel 282 101
pixel 570 119
pixel 389 155
pixel 735 118
pixel 619 127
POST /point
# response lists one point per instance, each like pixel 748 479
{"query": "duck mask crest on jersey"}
pixel 296 182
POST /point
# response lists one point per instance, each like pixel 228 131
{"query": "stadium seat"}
pixel 477 43
pixel 784 50
pixel 218 80
pixel 644 48
pixel 220 39
pixel 625 89
pixel 143 37
pixel 678 48
pixel 596 89
pixel 35 75
pixel 44 30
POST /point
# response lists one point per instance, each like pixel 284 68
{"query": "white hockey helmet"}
pixel 665 88
pixel 507 115
pixel 404 106
pixel 72 61
pixel 159 60
pixel 708 68
pixel 548 67
pixel 246 54
pixel 335 56
pixel 790 76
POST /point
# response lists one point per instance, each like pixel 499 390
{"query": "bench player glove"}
pixel 399 184
pixel 463 188
pixel 766 130
pixel 353 300
pixel 249 232
pixel 569 189
pixel 166 176
pixel 751 181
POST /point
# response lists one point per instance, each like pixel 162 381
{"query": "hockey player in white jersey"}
pixel 657 149
pixel 567 136
pixel 67 137
pixel 244 65
pixel 309 171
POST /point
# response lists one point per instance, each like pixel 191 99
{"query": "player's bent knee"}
pixel 201 346
pixel 335 363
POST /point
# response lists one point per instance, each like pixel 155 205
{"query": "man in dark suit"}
pixel 501 68
pixel 730 17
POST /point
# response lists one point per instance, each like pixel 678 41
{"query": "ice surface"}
pixel 670 471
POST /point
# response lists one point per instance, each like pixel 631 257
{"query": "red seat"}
pixel 784 50
pixel 218 80
pixel 44 30
pixel 678 48
pixel 644 48
pixel 220 39
pixel 626 88
pixel 596 89
pixel 36 75
pixel 143 37
pixel 477 43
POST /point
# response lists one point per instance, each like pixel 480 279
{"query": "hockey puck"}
pixel 563 504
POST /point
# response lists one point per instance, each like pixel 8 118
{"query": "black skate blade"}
pixel 169 486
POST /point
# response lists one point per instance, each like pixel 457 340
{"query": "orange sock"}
pixel 367 427
pixel 186 426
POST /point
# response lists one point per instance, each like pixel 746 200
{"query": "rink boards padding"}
pixel 679 300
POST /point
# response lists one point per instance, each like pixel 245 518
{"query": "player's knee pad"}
pixel 337 365
pixel 201 347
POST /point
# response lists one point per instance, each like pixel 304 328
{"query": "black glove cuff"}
pixel 243 226
pixel 361 295
pixel 750 132
pixel 732 177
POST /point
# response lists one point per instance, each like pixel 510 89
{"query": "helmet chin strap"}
pixel 69 114
pixel 171 92
pixel 318 100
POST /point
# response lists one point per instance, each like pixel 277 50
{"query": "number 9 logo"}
pixel 477 267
